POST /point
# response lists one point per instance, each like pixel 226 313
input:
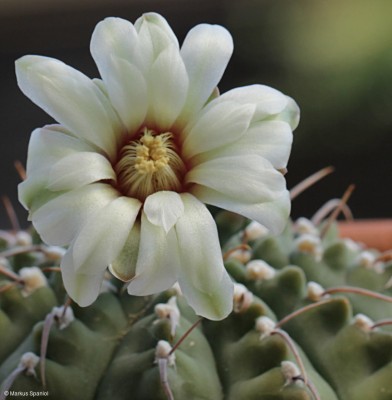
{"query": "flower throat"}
pixel 149 164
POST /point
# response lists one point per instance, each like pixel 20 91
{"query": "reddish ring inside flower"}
pixel 149 164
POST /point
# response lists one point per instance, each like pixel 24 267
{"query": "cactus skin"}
pixel 19 314
pixel 134 370
pixel 109 349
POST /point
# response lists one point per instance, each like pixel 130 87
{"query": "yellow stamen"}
pixel 149 165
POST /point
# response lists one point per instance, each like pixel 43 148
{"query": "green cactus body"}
pixel 118 348
pixel 18 314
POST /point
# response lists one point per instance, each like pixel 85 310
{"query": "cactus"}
pixel 126 192
pixel 310 321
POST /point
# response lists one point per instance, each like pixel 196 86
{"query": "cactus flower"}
pixel 124 176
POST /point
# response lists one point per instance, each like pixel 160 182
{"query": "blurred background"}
pixel 333 57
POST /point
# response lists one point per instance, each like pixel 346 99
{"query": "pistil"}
pixel 149 165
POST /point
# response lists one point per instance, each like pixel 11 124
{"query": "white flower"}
pixel 122 179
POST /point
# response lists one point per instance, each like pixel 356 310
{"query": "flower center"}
pixel 149 165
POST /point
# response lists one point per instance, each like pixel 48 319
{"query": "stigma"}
pixel 150 164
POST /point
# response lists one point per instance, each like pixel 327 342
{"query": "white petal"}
pixel 206 51
pixel 202 275
pixel 79 169
pixel 71 98
pixel 116 51
pixel 168 88
pixel 124 266
pixel 290 114
pixel 158 260
pixel 117 38
pixel 154 35
pixel 59 220
pixel 101 85
pixel 215 304
pixel 268 101
pixel 127 91
pixel 163 209
pixel 103 236
pixel 152 21
pixel 33 193
pixel 250 177
pixel 271 214
pixel 216 126
pixel 51 143
pixel 270 139
pixel 82 288
pixel 47 146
